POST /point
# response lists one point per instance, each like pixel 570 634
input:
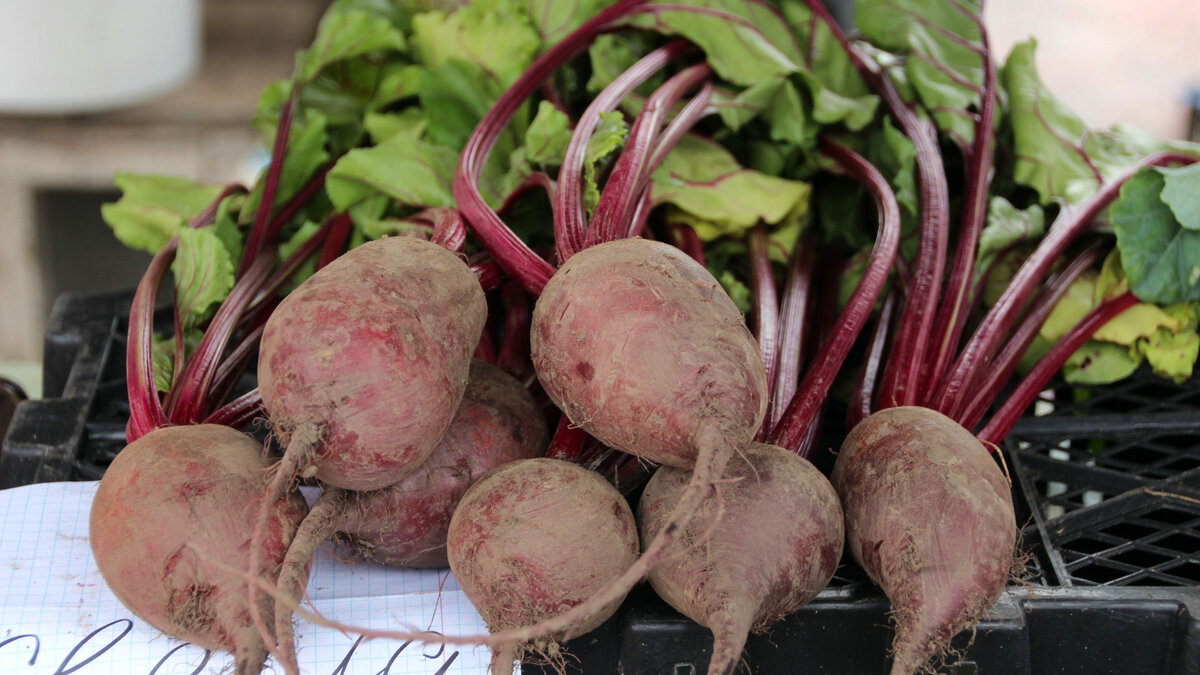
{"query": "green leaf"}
pixel 411 171
pixel 1171 355
pixel 226 228
pixel 1007 225
pixel 1112 280
pixel 153 209
pixel 745 42
pixel 306 154
pixel 456 94
pixel 1004 268
pixel 898 157
pixel 346 34
pixel 702 177
pixel 1142 320
pixel 789 119
pixel 829 107
pixel 1181 192
pixel 738 108
pixel 1070 309
pixel 1161 258
pixel 491 34
pixel 287 248
pixel 548 135
pixel 368 211
pixel 939 40
pixel 266 113
pixel 1100 363
pixel 737 291
pixel 555 19
pixel 853 272
pixel 393 227
pixel 203 271
pixel 606 140
pixel 837 91
pixel 778 102
pixel 1049 139
pixel 162 351
pixel 382 126
pixel 610 55
pixel 397 81
pixel 1056 153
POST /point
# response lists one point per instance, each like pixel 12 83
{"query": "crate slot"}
pixel 1180 542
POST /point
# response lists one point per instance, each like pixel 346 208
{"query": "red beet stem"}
pixel 952 315
pixel 794 330
pixel 517 259
pixel 1025 393
pixel 970 411
pixel 766 307
pixel 802 411
pixel 977 355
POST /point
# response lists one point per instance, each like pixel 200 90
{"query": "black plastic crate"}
pixel 1140 393
pixel 76 429
pixel 1106 485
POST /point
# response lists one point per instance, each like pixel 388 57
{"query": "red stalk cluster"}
pixel 922 368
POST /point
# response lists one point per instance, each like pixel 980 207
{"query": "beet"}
pixel 534 538
pixel 405 524
pixel 656 362
pixel 362 367
pixel 368 359
pixel 661 365
pixel 173 503
pixel 929 516
pixel 763 550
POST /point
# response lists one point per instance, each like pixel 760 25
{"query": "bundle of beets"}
pixel 515 260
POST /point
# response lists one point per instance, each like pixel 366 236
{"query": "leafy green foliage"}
pixel 555 19
pixel 1100 363
pixel 744 41
pixel 203 270
pixel 704 179
pixel 407 169
pixel 548 135
pixel 1160 256
pixel 1181 192
pixel 1056 153
pixel 606 140
pixel 1007 226
pixel 346 34
pixel 940 42
pixel 153 209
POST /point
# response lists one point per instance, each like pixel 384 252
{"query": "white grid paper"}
pixel 50 588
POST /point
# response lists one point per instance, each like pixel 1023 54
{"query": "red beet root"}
pixel 929 516
pixel 405 524
pixel 196 488
pixel 766 548
pixel 534 538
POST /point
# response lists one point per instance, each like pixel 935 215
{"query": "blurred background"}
pixel 172 88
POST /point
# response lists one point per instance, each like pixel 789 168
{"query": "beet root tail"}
pixel 320 524
pixel 730 628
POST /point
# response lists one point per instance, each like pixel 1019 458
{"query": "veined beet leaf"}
pixel 1160 256
pixel 942 58
pixel 745 41
pixel 407 169
pixel 203 271
pixel 152 209
pixel 704 179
